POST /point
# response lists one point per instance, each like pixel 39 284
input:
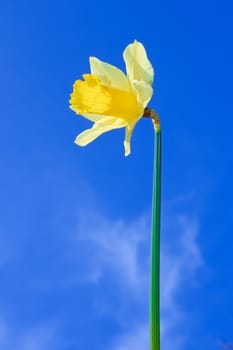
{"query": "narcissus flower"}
pixel 111 99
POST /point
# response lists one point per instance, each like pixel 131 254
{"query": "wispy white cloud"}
pixel 34 338
pixel 116 252
pixel 180 261
pixel 115 248
pixel 179 264
pixel 138 339
pixel 121 250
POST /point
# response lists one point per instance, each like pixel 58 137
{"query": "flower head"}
pixel 111 99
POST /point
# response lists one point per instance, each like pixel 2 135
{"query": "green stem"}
pixel 155 248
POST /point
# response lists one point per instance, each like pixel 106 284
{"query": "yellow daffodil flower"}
pixel 111 99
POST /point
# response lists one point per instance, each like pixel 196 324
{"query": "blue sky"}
pixel 75 223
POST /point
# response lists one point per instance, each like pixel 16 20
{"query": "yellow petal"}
pixel 128 133
pixel 87 136
pixel 109 75
pixel 137 64
pixel 106 124
pixel 91 117
pixel 109 120
pixel 144 91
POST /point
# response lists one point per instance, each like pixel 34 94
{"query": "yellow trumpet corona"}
pixel 111 99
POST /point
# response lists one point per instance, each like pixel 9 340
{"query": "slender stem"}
pixel 155 248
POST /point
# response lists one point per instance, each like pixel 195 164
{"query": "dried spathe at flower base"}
pixel 111 99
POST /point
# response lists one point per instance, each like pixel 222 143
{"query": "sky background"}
pixel 75 222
